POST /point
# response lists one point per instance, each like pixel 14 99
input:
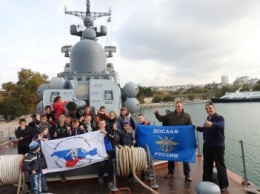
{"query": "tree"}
pixel 1 97
pixel 144 92
pixel 168 98
pixel 191 96
pixel 256 87
pixel 157 99
pixel 12 107
pixel 22 94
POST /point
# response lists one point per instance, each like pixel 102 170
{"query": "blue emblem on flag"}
pixel 72 156
pixel 172 143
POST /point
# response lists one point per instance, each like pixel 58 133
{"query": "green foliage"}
pixel 256 87
pixel 23 93
pixel 1 97
pixel 12 107
pixel 197 90
pixel 157 99
pixel 144 92
pixel 168 98
pixel 191 96
pixel 221 91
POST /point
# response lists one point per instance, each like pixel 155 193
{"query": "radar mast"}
pixel 82 14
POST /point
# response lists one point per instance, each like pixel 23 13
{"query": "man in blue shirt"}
pixel 214 147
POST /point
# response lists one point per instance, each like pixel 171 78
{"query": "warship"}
pixel 87 78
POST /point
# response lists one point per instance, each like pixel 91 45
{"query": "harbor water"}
pixel 241 123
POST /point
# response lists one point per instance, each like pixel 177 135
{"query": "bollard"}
pixel 207 188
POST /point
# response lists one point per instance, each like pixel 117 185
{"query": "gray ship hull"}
pixel 234 100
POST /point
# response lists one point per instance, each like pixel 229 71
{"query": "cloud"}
pixel 199 39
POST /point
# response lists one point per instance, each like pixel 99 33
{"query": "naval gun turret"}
pixel 87 79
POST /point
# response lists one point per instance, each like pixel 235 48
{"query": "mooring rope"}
pixel 255 191
pixel 132 159
pixel 11 173
pixel 129 159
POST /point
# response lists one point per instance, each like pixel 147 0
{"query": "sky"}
pixel 159 42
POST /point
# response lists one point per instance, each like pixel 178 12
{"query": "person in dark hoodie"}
pixel 35 122
pixel 60 130
pixel 43 135
pixel 24 135
pixel 214 147
pixel 108 163
pixel 32 164
pixel 114 125
pixel 50 116
pixel 127 139
pixel 77 127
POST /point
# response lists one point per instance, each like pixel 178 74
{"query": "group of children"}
pixel 118 130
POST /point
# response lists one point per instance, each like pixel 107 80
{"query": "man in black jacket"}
pixel 24 135
pixel 214 146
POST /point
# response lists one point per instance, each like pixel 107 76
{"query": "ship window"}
pixel 53 95
pixel 108 94
pixel 79 79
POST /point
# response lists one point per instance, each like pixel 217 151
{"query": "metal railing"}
pixel 5 136
pixel 240 170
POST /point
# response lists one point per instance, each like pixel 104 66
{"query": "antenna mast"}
pixel 82 14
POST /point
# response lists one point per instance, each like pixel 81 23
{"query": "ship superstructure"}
pixel 88 79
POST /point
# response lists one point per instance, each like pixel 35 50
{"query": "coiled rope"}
pixel 11 173
pixel 132 159
pixel 249 190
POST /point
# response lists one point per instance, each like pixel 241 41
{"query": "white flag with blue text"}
pixel 73 152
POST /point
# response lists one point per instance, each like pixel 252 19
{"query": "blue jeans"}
pixel 186 168
pixel 36 183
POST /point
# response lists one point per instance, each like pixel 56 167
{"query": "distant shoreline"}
pixel 166 104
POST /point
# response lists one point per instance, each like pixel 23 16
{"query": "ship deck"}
pixel 176 184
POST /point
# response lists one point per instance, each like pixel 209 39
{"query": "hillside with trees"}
pixel 21 98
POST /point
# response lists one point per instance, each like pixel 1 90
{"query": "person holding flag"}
pixel 214 146
pixel 176 118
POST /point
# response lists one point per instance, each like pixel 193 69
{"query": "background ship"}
pixel 247 96
pixel 87 79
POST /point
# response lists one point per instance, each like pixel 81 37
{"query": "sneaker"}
pixel 188 178
pixel 169 175
pixel 110 185
pixel 62 177
pixel 132 179
pixel 223 189
pixel 100 181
